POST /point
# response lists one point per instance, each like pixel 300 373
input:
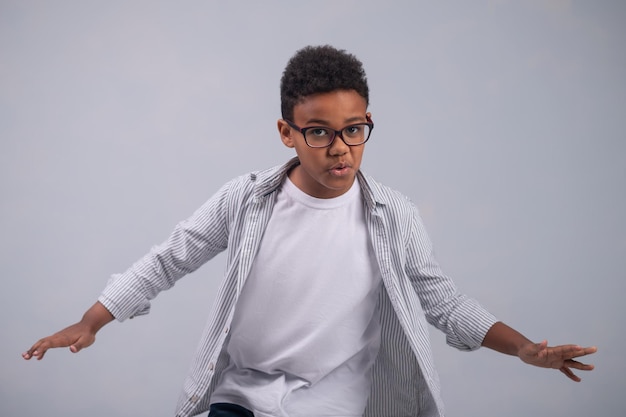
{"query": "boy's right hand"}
pixel 77 336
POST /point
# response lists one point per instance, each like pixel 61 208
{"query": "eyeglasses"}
pixel 322 136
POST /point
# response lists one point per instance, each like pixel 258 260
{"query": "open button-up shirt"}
pixel 416 292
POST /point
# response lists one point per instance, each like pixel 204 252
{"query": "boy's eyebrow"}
pixel 355 119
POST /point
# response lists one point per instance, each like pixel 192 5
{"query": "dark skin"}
pixel 317 175
pixel 504 339
pixel 500 338
pixel 77 336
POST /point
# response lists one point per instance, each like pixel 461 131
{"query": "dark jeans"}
pixel 229 410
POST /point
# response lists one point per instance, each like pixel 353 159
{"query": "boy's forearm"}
pixel 96 317
pixel 505 339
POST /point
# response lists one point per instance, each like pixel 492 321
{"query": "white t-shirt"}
pixel 306 329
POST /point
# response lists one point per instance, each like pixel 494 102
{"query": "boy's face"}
pixel 325 172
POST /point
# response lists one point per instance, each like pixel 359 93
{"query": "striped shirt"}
pixel 405 382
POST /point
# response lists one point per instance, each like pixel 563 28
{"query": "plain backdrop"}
pixel 504 121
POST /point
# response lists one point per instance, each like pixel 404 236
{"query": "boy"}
pixel 330 277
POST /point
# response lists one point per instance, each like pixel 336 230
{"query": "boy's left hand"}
pixel 557 357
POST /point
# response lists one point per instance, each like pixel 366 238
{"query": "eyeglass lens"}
pixel 352 135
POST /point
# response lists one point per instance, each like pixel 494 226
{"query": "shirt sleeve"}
pixel 193 242
pixel 464 321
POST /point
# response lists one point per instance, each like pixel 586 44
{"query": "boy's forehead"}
pixel 323 100
pixel 336 102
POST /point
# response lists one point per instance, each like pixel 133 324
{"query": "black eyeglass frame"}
pixel 334 133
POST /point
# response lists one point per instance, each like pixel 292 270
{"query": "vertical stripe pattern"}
pixel 416 291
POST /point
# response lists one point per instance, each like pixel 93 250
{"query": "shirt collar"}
pixel 270 180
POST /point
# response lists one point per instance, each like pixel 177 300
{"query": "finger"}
pixel 38 353
pixel 584 351
pixel 29 353
pixel 578 365
pixel 568 373
pixel 571 352
pixel 568 352
pixel 40 348
pixel 37 350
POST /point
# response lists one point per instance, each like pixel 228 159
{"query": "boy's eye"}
pixel 353 130
pixel 319 132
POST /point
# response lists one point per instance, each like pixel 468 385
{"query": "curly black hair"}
pixel 320 69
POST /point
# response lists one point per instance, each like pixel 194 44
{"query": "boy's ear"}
pixel 285 133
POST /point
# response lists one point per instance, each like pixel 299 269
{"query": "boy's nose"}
pixel 338 147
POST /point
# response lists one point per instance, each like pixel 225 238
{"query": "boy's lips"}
pixel 340 169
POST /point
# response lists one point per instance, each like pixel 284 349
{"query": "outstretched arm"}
pixel 504 339
pixel 77 336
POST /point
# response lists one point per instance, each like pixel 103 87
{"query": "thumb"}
pixel 540 347
pixel 532 350
pixel 82 342
pixel 77 346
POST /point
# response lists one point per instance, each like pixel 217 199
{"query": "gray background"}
pixel 503 121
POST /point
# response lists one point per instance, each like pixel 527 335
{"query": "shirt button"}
pixel 226 329
pixel 211 366
pixel 194 398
